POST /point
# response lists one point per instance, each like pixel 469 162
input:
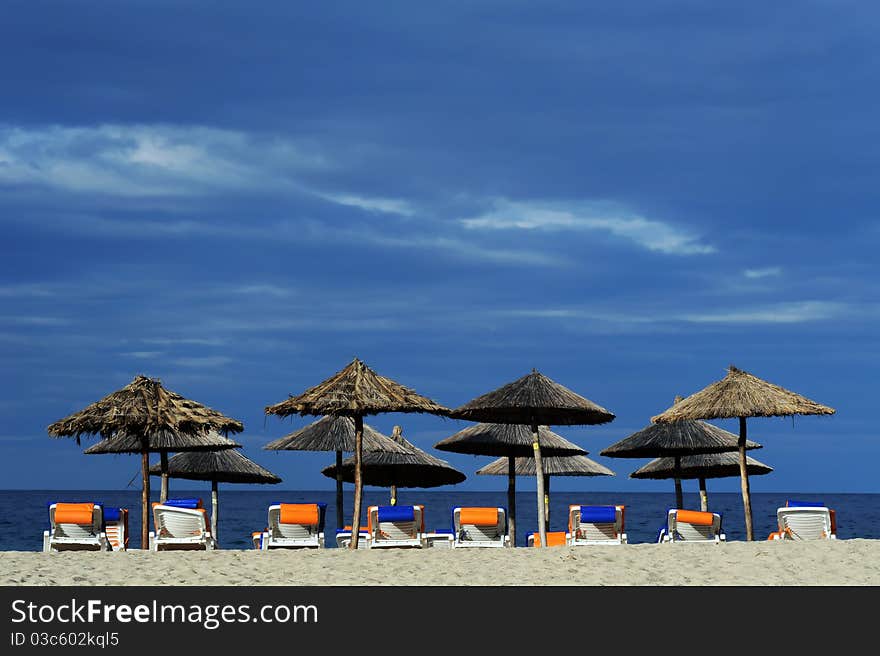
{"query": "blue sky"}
pixel 629 199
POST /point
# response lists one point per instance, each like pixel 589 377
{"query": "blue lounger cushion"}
pixel 792 503
pixel 183 503
pixel 112 514
pixel 599 514
pixel 396 513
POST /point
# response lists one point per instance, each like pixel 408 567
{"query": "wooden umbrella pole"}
pixel 547 502
pixel 215 501
pixel 339 512
pixel 145 500
pixel 679 497
pixel 539 473
pixel 358 483
pixel 511 499
pixel 163 491
pixel 704 497
pixel 393 495
pixel 744 479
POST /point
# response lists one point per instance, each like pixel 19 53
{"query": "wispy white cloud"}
pixel 184 341
pixel 796 312
pixel 371 204
pixel 210 361
pixel 786 312
pixel 34 321
pixel 651 234
pixel 768 272
pixel 26 290
pixel 149 160
pixel 261 289
pixel 143 355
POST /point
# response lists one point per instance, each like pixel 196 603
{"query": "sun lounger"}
pixel 804 520
pixel 440 538
pixel 554 539
pixel 480 527
pixel 295 526
pixel 588 525
pixel 75 527
pixel 692 526
pixel 181 524
pixel 343 537
pixel 396 526
pixel 116 528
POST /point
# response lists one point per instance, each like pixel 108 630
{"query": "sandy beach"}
pixel 854 562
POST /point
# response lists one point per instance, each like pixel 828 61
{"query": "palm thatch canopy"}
pixel 162 440
pixel 356 390
pixel 553 466
pixel 533 399
pixel 412 468
pixel 740 394
pixel 507 440
pixel 711 465
pixel 144 407
pixel 333 434
pixel 228 466
pixel 685 437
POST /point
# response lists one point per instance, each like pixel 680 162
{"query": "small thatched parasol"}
pixel 354 392
pixel 334 434
pixel 411 468
pixel 553 466
pixel 511 441
pixel 740 395
pixel 534 400
pixel 708 465
pixel 147 411
pixel 675 440
pixel 228 466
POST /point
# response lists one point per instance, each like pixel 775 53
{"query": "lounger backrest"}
pixel 693 525
pixel 116 528
pixel 805 522
pixel 174 522
pixel 395 522
pixel 295 520
pixel 76 520
pixel 478 523
pixel 595 523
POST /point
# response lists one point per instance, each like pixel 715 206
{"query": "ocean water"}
pixel 24 515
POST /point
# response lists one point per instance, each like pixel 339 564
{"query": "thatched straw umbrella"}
pixel 354 392
pixel 740 395
pixel 534 400
pixel 510 441
pixel 334 434
pixel 553 466
pixel 145 411
pixel 675 440
pixel 228 466
pixel 411 468
pixel 709 465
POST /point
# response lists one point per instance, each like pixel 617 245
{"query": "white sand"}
pixel 821 563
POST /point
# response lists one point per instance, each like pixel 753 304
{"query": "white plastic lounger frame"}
pixel 678 529
pixel 395 532
pixel 343 538
pixel 804 523
pixel 480 535
pixel 583 532
pixel 180 528
pixel 86 536
pixel 294 535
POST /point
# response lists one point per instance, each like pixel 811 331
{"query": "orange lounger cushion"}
pixel 478 516
pixel 554 539
pixel 299 513
pixel 74 513
pixel 695 517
